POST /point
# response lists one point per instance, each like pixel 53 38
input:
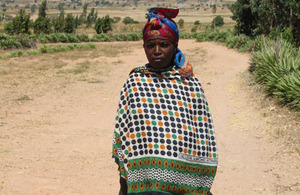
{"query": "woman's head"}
pixel 161 37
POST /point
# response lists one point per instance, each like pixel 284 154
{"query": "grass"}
pixel 49 49
pixel 284 124
pixel 81 67
pixel 23 98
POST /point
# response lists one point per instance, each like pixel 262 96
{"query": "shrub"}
pixel 134 36
pixel 277 66
pixel 62 37
pixel 61 48
pixel 129 20
pixel 181 23
pixel 197 22
pixel 218 21
pixel 116 19
pixel 103 25
pixel 73 39
pixel 43 49
pixel 120 37
pixel 33 52
pixel 42 26
pixel 83 37
pixel 70 47
pixel 20 24
pixel 69 24
pixel 100 37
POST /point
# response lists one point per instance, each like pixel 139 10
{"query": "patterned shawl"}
pixel 164 139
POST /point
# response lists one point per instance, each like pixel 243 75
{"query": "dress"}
pixel 164 140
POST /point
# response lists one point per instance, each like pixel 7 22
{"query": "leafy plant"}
pixel 129 20
pixel 103 25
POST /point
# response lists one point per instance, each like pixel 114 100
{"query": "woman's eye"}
pixel 164 45
pixel 149 45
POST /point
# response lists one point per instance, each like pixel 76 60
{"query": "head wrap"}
pixel 160 24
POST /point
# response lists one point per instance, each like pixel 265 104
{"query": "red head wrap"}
pixel 161 25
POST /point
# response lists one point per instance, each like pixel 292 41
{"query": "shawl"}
pixel 164 140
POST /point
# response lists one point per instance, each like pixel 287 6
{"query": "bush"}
pixel 16 42
pixel 197 22
pixel 83 37
pixel 129 20
pixel 33 52
pixel 103 25
pixel 73 39
pixel 218 21
pixel 100 38
pixel 181 23
pixel 43 49
pixel 134 36
pixel 42 26
pixel 120 37
pixel 277 66
pixel 62 37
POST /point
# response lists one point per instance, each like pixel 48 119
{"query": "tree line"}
pixel 67 23
pixel 269 17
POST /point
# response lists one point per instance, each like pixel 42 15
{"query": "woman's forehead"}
pixel 158 39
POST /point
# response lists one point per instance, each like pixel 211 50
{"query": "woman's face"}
pixel 159 52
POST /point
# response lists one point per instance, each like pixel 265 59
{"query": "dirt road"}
pixel 57 118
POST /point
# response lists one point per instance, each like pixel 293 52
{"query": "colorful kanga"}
pixel 164 138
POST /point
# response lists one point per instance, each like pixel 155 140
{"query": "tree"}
pixel 42 24
pixel 181 23
pixel 91 18
pixel 61 6
pixel 218 21
pixel 20 24
pixel 42 9
pixel 214 8
pixel 76 22
pixel 103 25
pixel 82 17
pixel 244 17
pixel 266 16
pixel 33 8
pixel 59 22
pixel 69 24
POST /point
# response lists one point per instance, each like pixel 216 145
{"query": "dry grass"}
pixel 283 123
pixel 25 78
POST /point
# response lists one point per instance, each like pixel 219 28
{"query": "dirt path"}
pixel 57 117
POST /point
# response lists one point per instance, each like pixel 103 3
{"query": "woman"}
pixel 164 141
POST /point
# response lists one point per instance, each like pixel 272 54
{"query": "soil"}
pixel 57 119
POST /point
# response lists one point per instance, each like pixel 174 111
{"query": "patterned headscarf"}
pixel 160 24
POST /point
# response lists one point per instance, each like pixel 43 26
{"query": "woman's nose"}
pixel 157 49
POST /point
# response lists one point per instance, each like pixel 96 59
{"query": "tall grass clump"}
pixel 16 42
pixel 63 38
pixel 133 36
pixel 102 37
pixel 277 67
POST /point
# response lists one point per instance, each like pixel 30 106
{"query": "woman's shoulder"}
pixel 141 69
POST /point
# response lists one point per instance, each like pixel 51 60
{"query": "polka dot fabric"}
pixel 164 138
